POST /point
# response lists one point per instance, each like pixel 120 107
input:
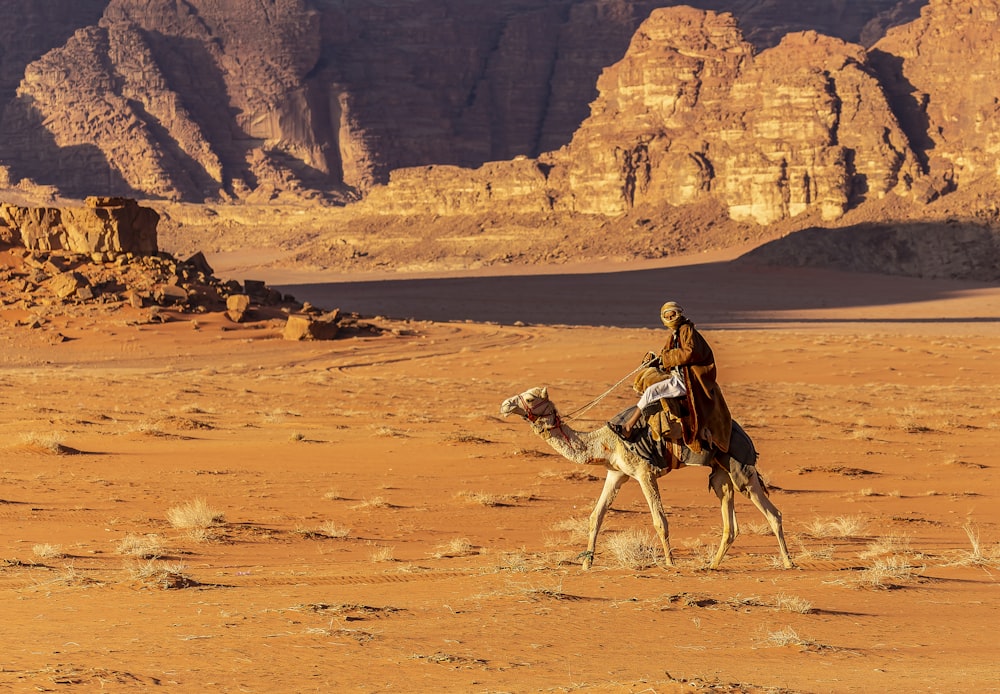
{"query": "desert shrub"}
pixel 148 546
pixel 634 549
pixel 194 514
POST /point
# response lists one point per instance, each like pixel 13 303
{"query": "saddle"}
pixel 658 437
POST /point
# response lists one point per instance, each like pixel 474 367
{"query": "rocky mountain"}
pixel 608 125
pixel 209 99
pixel 814 124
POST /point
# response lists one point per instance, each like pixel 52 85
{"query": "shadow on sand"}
pixel 714 294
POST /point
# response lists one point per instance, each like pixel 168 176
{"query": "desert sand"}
pixel 373 524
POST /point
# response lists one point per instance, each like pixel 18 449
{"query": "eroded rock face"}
pixel 692 112
pixel 942 73
pixel 105 226
pixel 818 134
pixel 213 99
pixel 650 127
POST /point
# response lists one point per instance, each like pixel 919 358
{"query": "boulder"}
pixel 305 327
pixel 237 306
pixel 66 284
pixel 169 294
pixel 107 226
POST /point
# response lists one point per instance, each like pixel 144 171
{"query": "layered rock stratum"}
pixel 203 99
pixel 512 130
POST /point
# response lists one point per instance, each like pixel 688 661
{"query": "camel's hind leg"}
pixel 759 498
pixel 612 483
pixel 722 485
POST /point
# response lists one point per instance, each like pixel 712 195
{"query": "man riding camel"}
pixel 687 357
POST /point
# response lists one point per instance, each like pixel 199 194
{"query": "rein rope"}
pixel 581 410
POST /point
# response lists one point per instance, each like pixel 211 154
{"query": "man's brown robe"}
pixel 710 419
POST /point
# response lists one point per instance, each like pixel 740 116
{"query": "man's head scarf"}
pixel 671 313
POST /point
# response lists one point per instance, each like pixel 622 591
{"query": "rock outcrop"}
pixel 788 113
pixel 815 133
pixel 105 227
pixel 942 74
pixel 693 112
pixel 39 285
pixel 295 99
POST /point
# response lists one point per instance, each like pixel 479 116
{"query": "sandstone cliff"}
pixel 258 101
pixel 103 227
pixel 692 112
pixel 610 125
pixel 942 73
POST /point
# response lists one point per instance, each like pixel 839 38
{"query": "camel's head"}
pixel 531 404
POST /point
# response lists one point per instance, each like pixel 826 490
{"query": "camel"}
pixel 605 448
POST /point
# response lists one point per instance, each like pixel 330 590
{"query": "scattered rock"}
pixel 255 288
pixel 66 284
pixel 168 294
pixel 199 263
pixel 237 306
pixel 103 225
pixel 307 327
pixel 51 280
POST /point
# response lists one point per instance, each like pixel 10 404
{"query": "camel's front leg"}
pixel 722 485
pixel 651 490
pixel 612 483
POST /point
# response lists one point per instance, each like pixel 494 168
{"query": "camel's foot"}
pixel 788 563
pixel 716 562
pixel 588 559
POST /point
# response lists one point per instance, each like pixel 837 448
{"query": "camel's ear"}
pixel 545 393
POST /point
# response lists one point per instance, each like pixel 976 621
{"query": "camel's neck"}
pixel 583 448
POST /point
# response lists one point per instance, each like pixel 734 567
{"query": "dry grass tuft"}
pixel 166 576
pixel 844 526
pixel 47 551
pixel 569 474
pixel 488 499
pixel 332 529
pixel 466 438
pixel 887 573
pixel 327 530
pixel 578 528
pixel 368 504
pixel 389 432
pixel 792 603
pixel 50 443
pixel 909 421
pixel 887 544
pixel 756 528
pixel 383 554
pixel 522 562
pixel 538 593
pixel 69 576
pixel 459 547
pixel 787 637
pixel 808 553
pixel 863 434
pixel 197 517
pixel 634 549
pixel 149 546
pixel 976 555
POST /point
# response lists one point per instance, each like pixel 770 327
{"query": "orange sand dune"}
pixel 378 527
